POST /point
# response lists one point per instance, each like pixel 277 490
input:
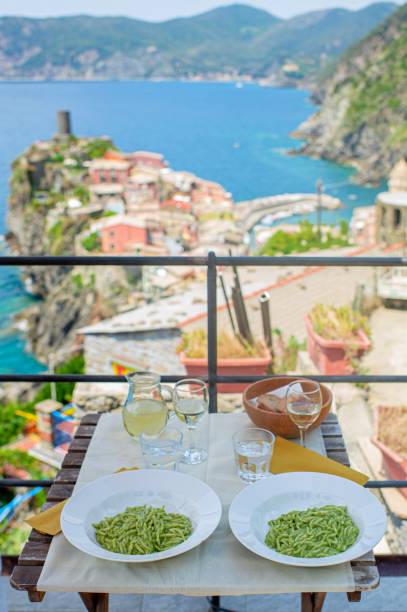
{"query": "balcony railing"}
pixel 210 262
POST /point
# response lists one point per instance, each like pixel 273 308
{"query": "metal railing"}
pixel 210 262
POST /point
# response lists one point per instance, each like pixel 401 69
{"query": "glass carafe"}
pixel 146 410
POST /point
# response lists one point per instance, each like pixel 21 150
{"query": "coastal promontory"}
pixel 363 117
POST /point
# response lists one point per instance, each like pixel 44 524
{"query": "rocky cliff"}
pixel 363 117
pixel 43 179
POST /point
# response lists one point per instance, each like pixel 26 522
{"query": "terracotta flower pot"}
pixel 330 356
pixel 245 366
pixel 394 464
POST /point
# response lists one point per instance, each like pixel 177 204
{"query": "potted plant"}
pixel 337 337
pixel 235 357
pixel 389 437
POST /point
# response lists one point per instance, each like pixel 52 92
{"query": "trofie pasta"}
pixel 141 530
pixel 316 532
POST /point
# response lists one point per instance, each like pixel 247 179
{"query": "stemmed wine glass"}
pixel 190 405
pixel 304 403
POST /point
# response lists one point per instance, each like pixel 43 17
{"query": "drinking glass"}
pixel 253 450
pixel 162 451
pixel 190 405
pixel 304 403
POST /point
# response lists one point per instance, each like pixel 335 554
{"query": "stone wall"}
pixel 153 350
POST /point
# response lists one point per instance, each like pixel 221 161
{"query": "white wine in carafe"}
pixel 145 415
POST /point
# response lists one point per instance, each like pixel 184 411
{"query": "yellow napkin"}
pixel 291 457
pixel 49 521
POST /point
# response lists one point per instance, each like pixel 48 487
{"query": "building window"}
pixel 397 217
pixel 112 246
pixel 111 233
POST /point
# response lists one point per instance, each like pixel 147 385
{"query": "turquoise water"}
pixel 239 137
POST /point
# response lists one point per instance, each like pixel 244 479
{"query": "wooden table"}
pixel 26 574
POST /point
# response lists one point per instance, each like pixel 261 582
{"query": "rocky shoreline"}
pixel 362 120
pixel 38 180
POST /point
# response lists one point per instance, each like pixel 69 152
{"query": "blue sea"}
pixel 239 137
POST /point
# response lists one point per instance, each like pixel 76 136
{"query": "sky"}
pixel 159 10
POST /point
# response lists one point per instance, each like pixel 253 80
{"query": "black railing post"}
pixel 212 331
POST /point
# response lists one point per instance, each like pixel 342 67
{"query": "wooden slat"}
pixel 330 429
pixel 339 456
pixel 25 577
pixel 79 445
pixel 59 492
pixel 91 418
pixel 367 559
pixel 366 578
pixel 34 553
pixel 354 597
pixel 85 431
pixel 334 444
pixel 67 476
pixel 36 536
pixel 73 460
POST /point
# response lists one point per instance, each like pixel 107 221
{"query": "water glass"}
pixel 253 452
pixel 163 451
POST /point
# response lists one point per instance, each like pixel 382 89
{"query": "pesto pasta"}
pixel 316 532
pixel 142 530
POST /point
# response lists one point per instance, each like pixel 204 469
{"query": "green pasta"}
pixel 316 532
pixel 142 530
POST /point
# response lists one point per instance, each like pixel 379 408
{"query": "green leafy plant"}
pixel 338 322
pixel 305 239
pixel 98 148
pixel 75 365
pixel 286 352
pixel 11 425
pixel 92 242
pixel 82 193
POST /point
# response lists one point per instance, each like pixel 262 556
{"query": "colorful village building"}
pixel 121 231
pixel 146 159
pixel 108 171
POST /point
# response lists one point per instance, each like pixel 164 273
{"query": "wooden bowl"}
pixel 279 422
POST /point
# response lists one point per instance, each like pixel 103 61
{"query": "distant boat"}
pixel 352 196
pixel 236 145
pixel 239 85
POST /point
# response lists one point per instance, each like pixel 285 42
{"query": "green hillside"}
pixel 363 118
pixel 233 40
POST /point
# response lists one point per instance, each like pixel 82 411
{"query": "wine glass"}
pixel 190 405
pixel 304 403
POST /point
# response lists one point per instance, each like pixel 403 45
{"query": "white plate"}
pixel 267 499
pixel 113 494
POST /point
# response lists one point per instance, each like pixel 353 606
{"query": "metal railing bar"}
pixel 307 260
pixel 386 484
pixel 103 260
pixel 17 482
pixel 211 281
pixel 101 378
pixel 185 260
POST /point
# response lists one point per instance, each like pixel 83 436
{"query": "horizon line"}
pixel 215 8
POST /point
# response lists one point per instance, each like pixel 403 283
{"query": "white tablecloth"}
pixel 219 566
